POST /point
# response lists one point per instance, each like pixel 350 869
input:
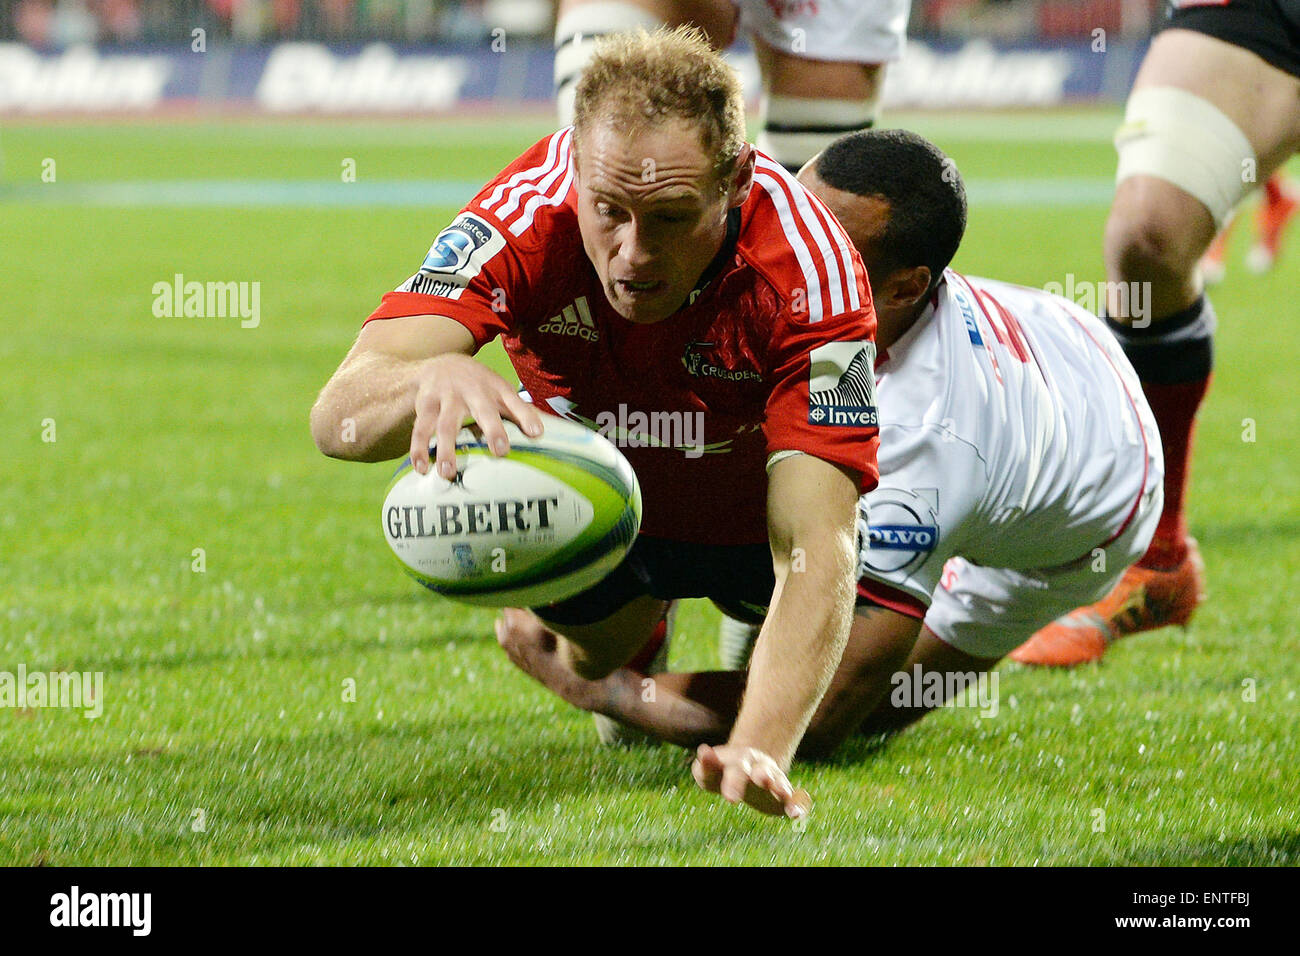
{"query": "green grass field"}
pixel 226 737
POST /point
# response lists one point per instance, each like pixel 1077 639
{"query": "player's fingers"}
pixel 768 776
pixel 513 617
pixel 488 419
pixel 735 782
pixel 799 805
pixel 707 769
pixel 523 636
pixel 450 417
pixel 759 799
pixel 425 421
pixel 770 791
pixel 521 413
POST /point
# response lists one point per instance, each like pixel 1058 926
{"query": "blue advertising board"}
pixel 379 78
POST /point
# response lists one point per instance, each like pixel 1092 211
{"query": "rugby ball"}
pixel 543 523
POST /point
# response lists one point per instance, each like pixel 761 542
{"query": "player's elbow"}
pixel 333 430
pixel 324 430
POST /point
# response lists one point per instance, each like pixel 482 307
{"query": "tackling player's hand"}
pixel 748 774
pixel 532 647
pixel 452 387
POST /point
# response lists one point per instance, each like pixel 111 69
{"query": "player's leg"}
pixel 694 708
pixel 807 103
pixel 594 649
pixel 880 641
pixel 626 619
pixel 579 25
pixel 980 614
pixel 1205 119
pixel 1115 595
pixel 930 656
pixel 610 623
pixel 700 707
pixel 976 616
pixel 823 69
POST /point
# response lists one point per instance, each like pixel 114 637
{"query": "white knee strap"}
pixel 1185 140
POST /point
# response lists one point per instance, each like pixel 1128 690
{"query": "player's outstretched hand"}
pixel 748 774
pixel 533 648
pixel 452 387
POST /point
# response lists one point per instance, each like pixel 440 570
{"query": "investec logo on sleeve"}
pixel 456 257
pixel 842 385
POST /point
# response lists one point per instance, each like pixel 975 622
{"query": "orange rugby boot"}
pixel 1144 600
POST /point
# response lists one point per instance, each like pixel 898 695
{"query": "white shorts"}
pixel 989 612
pixel 856 31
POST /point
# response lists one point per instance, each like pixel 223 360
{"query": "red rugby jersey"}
pixel 774 352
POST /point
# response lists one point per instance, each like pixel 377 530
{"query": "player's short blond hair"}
pixel 640 78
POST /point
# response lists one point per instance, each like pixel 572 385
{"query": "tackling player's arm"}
pixel 811 526
pixel 693 708
pixel 403 381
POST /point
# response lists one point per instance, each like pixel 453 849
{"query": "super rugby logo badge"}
pixel 842 385
pixel 897 529
pixel 456 257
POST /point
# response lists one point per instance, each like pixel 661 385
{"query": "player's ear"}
pixel 742 177
pixel 907 286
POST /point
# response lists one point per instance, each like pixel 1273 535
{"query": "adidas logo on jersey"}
pixel 574 319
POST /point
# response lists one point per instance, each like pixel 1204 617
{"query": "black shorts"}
pixel 737 578
pixel 1270 29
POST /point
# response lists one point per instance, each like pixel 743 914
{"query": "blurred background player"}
pixel 1020 470
pixel 1214 109
pixel 1277 207
pixel 822 64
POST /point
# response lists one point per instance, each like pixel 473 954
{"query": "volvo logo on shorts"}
pixel 897 529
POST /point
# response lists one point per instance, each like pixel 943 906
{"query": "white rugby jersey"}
pixel 1013 433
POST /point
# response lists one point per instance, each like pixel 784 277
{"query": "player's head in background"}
pixel 903 204
pixel 660 158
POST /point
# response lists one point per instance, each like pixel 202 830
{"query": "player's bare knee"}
pixel 1147 241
